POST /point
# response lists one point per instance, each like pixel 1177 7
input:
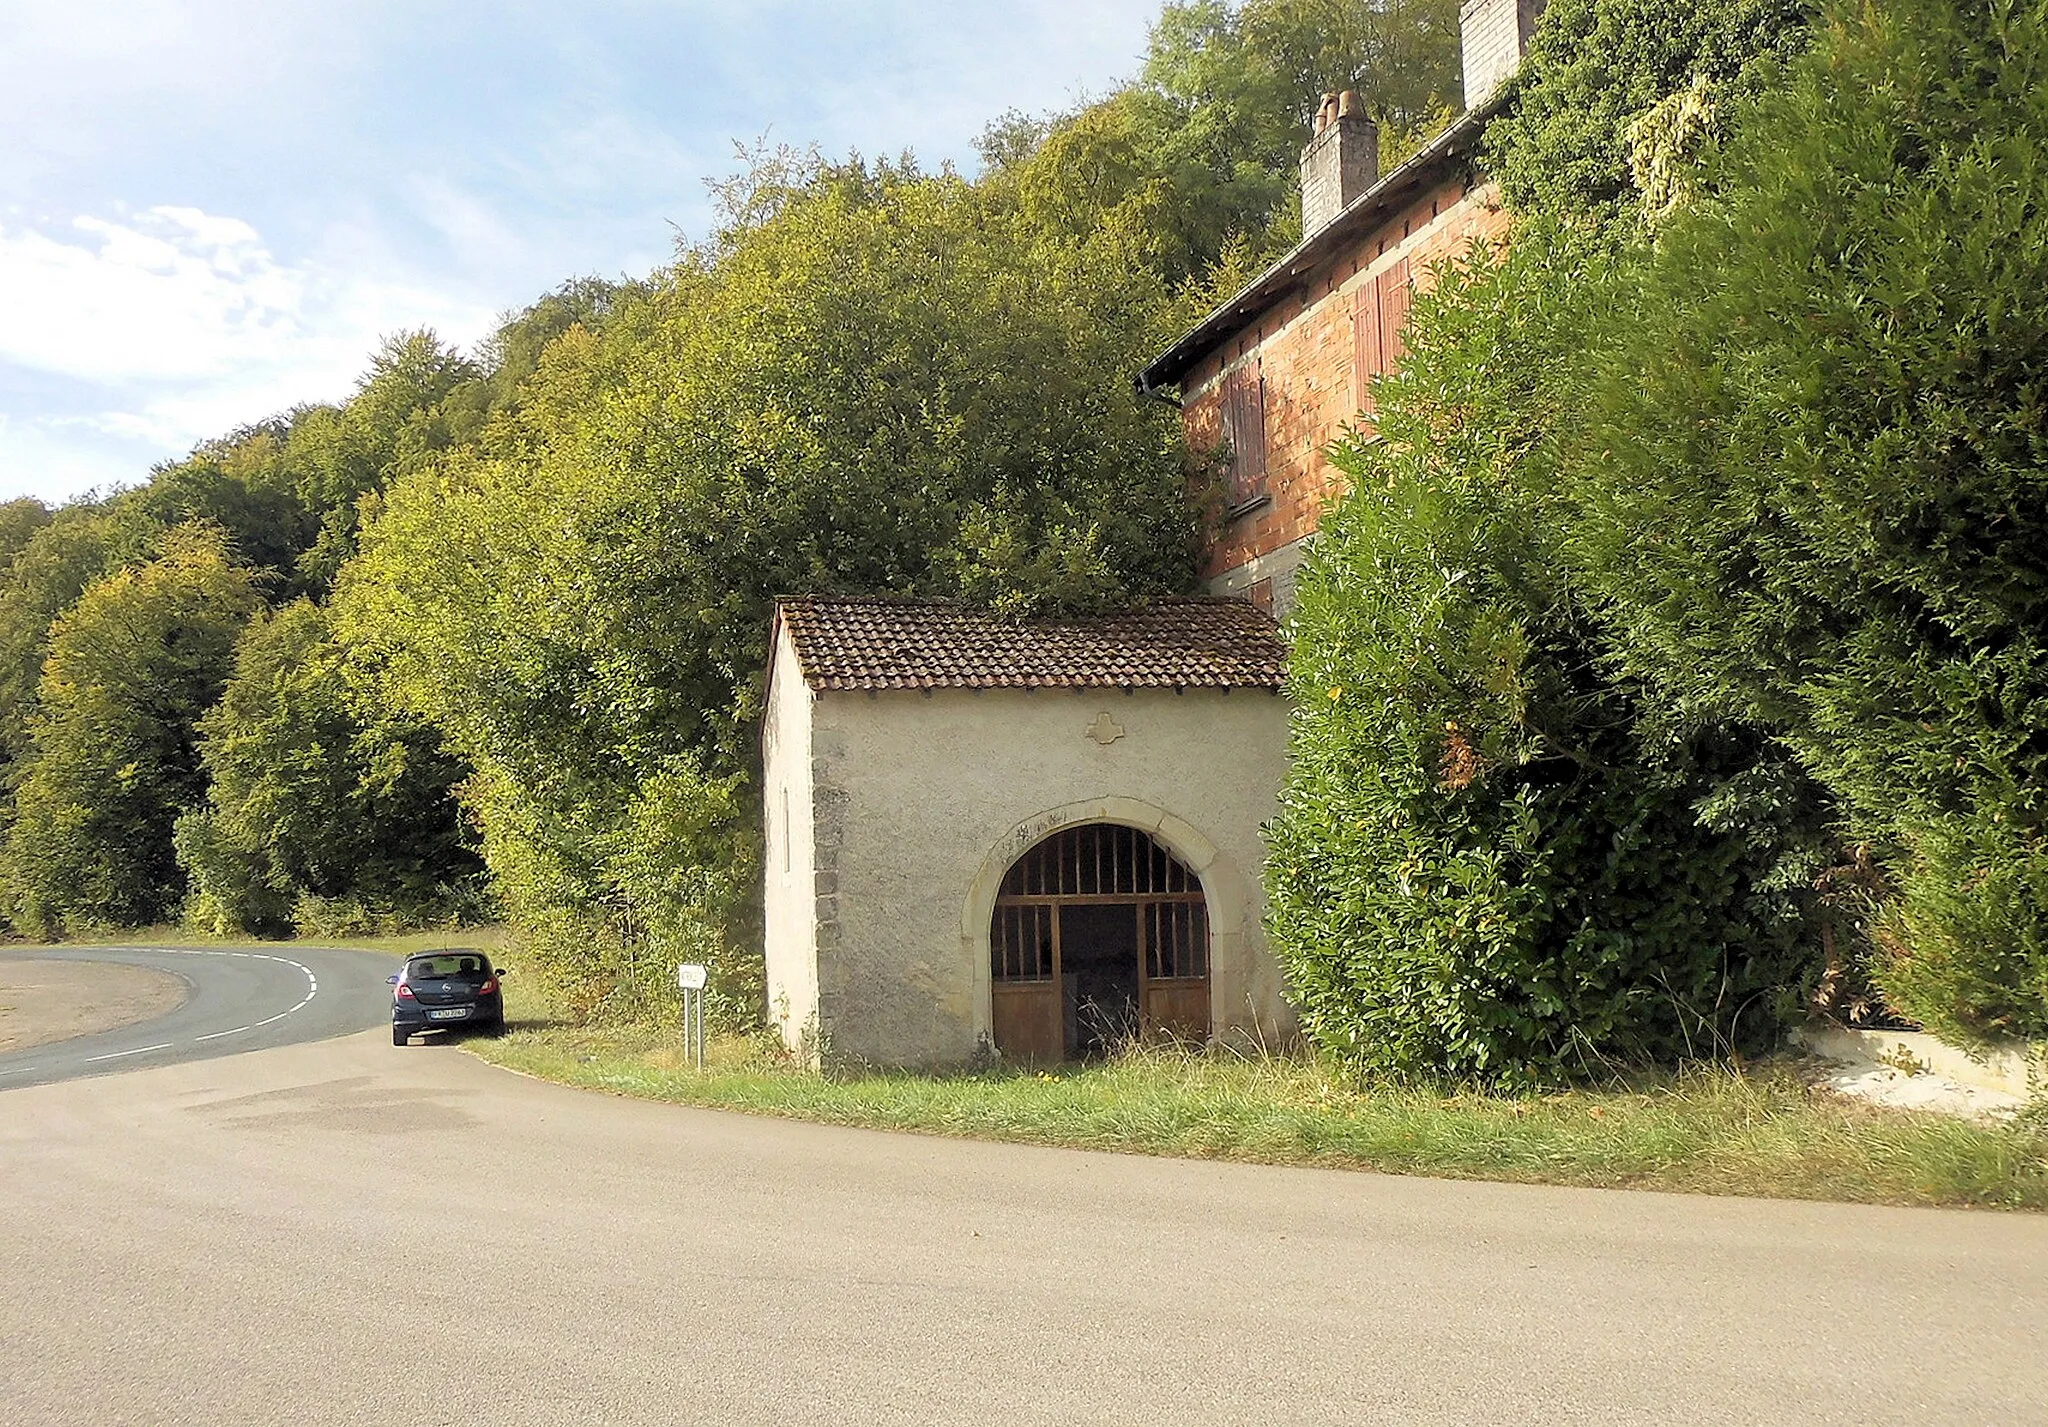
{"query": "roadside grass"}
pixel 1762 1132
pixel 493 939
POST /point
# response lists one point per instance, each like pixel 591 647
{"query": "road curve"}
pixel 240 999
pixel 346 1233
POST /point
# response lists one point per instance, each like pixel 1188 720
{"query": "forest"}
pixel 1676 664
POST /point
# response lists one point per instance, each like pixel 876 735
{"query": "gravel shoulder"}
pixel 43 1001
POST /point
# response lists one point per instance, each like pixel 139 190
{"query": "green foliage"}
pixel 239 485
pixel 418 399
pixel 1495 862
pixel 52 569
pixel 1813 470
pixel 513 353
pixel 20 520
pixel 849 390
pixel 1203 150
pixel 319 797
pixel 1566 146
pixel 611 889
pixel 284 492
pixel 279 501
pixel 111 761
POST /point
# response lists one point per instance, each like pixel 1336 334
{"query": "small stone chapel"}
pixel 1036 840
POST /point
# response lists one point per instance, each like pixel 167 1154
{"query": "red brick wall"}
pixel 1307 348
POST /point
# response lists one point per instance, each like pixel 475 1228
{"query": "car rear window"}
pixel 438 968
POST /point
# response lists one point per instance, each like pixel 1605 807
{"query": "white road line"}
pixel 312 990
pixel 117 1054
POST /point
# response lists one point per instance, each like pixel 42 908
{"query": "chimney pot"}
pixel 1341 162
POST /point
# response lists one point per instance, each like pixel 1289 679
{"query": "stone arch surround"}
pixel 1224 888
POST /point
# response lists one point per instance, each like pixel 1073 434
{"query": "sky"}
pixel 213 210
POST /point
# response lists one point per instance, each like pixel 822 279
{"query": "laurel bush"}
pixel 1813 472
pixel 1496 861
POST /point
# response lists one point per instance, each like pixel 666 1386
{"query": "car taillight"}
pixel 489 987
pixel 404 992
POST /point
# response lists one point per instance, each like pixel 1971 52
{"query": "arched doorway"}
pixel 1100 936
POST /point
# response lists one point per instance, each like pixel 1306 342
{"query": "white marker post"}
pixel 691 980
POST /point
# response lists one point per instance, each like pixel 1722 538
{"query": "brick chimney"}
pixel 1496 36
pixel 1341 161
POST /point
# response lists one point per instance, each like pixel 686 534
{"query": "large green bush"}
pixel 1501 856
pixel 1495 861
pixel 1814 474
pixel 1568 146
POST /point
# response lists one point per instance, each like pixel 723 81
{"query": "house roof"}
pixel 1454 145
pixel 879 642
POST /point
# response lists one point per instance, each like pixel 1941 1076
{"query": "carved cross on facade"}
pixel 1105 730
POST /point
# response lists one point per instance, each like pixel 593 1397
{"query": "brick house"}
pixel 1278 372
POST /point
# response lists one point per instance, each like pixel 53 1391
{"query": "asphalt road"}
pixel 238 1000
pixel 346 1232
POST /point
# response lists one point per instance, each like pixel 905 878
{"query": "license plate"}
pixel 455 1013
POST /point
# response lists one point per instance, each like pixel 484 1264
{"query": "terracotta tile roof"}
pixel 868 642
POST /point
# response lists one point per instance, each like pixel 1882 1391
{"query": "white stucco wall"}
pixel 923 800
pixel 789 857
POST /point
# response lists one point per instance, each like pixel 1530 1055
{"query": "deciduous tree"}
pixel 323 805
pixel 112 761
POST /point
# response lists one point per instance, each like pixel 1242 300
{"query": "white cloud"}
pixel 322 175
pixel 169 294
pixel 172 325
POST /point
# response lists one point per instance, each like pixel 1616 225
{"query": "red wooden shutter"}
pixel 1366 361
pixel 1244 426
pixel 1394 300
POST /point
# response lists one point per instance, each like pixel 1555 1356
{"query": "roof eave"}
pixel 768 682
pixel 1171 365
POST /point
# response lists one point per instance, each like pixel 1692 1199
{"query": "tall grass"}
pixel 1708 1131
pixel 490 938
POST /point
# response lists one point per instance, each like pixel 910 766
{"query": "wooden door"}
pixel 1176 969
pixel 1025 996
pixel 1130 901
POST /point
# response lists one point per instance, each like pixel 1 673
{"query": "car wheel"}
pixel 400 1037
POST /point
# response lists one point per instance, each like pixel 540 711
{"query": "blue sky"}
pixel 212 209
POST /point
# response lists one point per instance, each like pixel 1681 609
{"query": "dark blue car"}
pixel 446 991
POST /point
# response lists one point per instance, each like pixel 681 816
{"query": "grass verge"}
pixel 1710 1131
pixel 1763 1133
pixel 490 938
